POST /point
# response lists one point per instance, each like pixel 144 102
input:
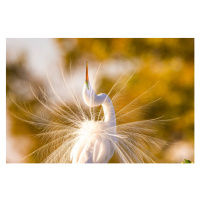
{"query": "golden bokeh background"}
pixel 167 60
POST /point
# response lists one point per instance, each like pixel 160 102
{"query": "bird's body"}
pixel 93 146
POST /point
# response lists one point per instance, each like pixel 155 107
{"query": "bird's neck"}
pixel 93 100
pixel 109 111
pixel 109 114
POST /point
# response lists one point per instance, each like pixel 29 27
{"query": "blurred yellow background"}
pixel 167 60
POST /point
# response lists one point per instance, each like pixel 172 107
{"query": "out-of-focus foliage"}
pixel 167 60
pixel 186 161
pixel 101 49
pixel 18 81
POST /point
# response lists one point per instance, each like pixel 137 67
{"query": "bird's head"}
pixel 88 92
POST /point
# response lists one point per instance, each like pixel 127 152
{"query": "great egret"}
pixel 78 139
pixel 96 143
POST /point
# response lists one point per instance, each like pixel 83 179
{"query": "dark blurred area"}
pixel 167 60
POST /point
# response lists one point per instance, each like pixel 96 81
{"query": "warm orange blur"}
pixel 167 60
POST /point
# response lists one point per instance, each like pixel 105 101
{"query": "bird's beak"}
pixel 87 78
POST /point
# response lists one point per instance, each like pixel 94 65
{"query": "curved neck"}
pixel 108 108
pixel 109 111
pixel 93 100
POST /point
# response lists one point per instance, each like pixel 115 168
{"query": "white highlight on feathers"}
pixel 93 144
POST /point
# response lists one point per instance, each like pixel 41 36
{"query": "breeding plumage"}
pixel 90 137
